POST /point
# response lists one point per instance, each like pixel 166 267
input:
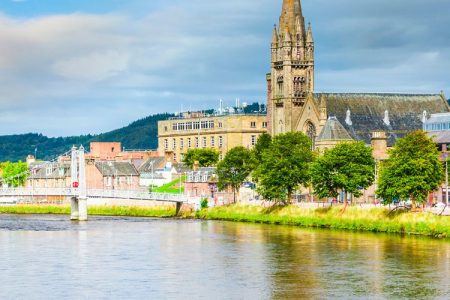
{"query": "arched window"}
pixel 311 132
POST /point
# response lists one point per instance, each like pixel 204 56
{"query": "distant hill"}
pixel 141 134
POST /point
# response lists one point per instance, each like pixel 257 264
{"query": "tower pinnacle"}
pixel 292 17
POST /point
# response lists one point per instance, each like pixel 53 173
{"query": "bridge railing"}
pixel 93 193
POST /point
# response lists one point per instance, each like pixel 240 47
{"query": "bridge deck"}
pixel 93 193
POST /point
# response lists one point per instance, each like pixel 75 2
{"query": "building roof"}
pixel 334 131
pixel 440 137
pixel 202 175
pixel 116 168
pixel 152 164
pixel 50 171
pixel 397 114
pixel 438 118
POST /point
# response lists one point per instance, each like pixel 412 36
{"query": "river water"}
pixel 48 257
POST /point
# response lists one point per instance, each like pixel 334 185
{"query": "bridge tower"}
pixel 78 207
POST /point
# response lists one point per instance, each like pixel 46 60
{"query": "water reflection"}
pixel 48 256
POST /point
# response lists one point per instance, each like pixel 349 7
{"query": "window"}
pixel 264 125
pixel 253 124
pixel 196 142
pixel 174 157
pixel 220 141
pixel 48 171
pixel 165 128
pixel 189 143
pixel 211 124
pixel 181 143
pixel 253 140
pixel 204 142
pixel 189 126
pixel 197 125
pixel 220 124
pixel 166 144
pixel 174 144
pixel 213 141
pixel 204 124
pixel 174 126
pixel 220 156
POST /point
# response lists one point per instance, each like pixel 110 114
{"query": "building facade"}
pixel 221 132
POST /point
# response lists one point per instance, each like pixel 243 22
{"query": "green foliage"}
pixel 15 174
pixel 413 170
pixel 141 134
pixel 172 187
pixel 346 167
pixel 206 157
pixel 355 219
pixel 263 143
pixel 204 203
pixel 125 211
pixel 284 166
pixel 235 168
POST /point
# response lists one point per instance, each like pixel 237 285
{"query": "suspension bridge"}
pixel 78 191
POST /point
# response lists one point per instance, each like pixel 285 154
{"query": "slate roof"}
pixel 116 168
pixel 58 171
pixel 367 112
pixel 440 137
pixel 334 131
pixel 158 163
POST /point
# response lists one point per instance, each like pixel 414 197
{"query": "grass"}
pixel 172 187
pixel 123 211
pixel 355 219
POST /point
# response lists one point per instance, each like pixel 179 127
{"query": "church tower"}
pixel 291 81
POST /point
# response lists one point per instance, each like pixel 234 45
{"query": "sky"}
pixel 88 66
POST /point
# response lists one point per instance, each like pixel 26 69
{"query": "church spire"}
pixel 292 17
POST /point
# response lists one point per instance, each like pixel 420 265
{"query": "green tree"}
pixel 348 167
pixel 234 169
pixel 284 166
pixel 15 174
pixel 206 157
pixel 413 170
pixel 263 143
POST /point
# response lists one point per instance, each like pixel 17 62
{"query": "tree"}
pixel 263 143
pixel 348 167
pixel 206 157
pixel 15 174
pixel 234 169
pixel 413 170
pixel 284 166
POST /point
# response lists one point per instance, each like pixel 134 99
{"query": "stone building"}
pixel 292 104
pixel 197 130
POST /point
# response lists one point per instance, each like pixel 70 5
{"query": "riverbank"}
pixel 117 211
pixel 354 219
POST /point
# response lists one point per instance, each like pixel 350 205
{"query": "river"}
pixel 49 257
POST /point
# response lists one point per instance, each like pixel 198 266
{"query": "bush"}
pixel 204 203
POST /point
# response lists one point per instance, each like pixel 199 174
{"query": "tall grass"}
pixel 123 211
pixel 356 219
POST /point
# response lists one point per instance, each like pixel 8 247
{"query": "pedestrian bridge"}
pixel 93 193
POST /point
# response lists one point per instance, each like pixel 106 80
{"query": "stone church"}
pixel 292 104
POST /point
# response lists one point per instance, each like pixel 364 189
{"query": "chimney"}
pixel 196 165
pixel 30 159
pixel 379 144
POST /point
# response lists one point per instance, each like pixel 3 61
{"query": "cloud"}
pixel 83 72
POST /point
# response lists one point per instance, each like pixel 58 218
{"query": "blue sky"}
pixel 70 67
